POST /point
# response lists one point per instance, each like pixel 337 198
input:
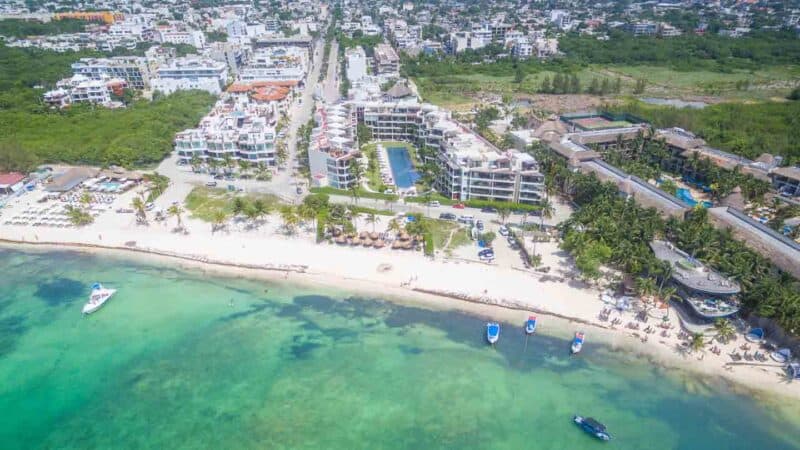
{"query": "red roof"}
pixel 10 178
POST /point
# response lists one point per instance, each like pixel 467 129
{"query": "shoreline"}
pixel 752 380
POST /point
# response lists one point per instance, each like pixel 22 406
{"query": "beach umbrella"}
pixel 356 241
pixel 378 243
pixel 366 242
pixel 363 235
pixel 374 235
pixel 341 239
pixel 396 244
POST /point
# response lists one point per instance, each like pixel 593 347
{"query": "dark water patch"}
pixel 11 329
pixel 60 291
pixel 340 334
pixel 347 309
pixel 251 310
pixel 410 350
pixel 302 350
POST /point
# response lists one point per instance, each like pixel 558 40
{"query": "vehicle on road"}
pixel 489 209
pixel 479 225
pixel 149 206
pixel 486 252
pixel 211 183
pixel 299 190
pixel 466 218
pixel 434 203
pixel 459 206
pixel 447 216
pixel 503 230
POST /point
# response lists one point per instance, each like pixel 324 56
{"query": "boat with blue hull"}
pixel 593 427
pixel 577 342
pixel 492 332
pixel 530 325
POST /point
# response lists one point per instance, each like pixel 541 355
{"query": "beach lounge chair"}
pixel 755 335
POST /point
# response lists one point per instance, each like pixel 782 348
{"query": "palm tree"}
pixel 218 218
pixel 645 286
pixel 244 167
pixel 697 342
pixel 503 212
pixel 176 211
pixel 725 329
pixel 251 214
pixel 195 162
pixel 354 192
pixel 239 205
pixel 394 226
pixel 373 219
pixel 307 212
pixel 260 207
pixel 289 218
pixel 141 212
pixel 86 199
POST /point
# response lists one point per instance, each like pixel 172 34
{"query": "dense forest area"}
pixel 21 28
pixel 687 52
pixel 744 129
pixel 30 133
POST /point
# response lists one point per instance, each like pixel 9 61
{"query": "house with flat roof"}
pixel 786 180
pixel 10 182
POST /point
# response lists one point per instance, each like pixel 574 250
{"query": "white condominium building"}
pixel 280 64
pixel 133 69
pixel 82 89
pixel 332 147
pixel 191 73
pixel 239 131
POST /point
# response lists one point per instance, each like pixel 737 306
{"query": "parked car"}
pixel 149 206
pixel 299 190
pixel 486 252
pixel 503 230
pixel 211 183
pixel 459 206
pixel 447 216
pixel 489 209
pixel 434 203
pixel 466 219
pixel 479 224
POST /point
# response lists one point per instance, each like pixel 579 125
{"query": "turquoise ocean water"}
pixel 183 360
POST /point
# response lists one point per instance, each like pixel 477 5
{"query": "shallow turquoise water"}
pixel 182 360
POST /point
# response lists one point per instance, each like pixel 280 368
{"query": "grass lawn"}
pixel 441 230
pixel 202 202
pixel 460 92
pixel 362 193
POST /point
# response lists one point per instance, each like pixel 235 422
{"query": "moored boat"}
pixel 593 427
pixel 577 342
pixel 530 325
pixel 492 332
pixel 97 298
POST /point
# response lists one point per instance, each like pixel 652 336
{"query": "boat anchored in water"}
pixel 577 342
pixel 492 332
pixel 593 427
pixel 530 325
pixel 97 298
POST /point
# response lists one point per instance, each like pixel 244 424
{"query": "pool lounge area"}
pixel 686 196
pixel 402 169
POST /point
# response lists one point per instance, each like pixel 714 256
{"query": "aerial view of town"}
pixel 343 224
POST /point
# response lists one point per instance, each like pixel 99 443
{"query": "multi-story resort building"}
pixel 282 64
pixel 132 69
pixel 231 131
pixel 332 148
pixel 386 61
pixel 191 73
pixel 81 89
pixel 708 294
pixel 471 167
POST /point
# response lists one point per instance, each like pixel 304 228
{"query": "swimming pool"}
pixel 686 196
pixel 402 170
pixel 109 186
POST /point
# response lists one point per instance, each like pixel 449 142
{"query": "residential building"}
pixel 356 64
pixel 191 73
pixel 332 148
pixel 276 64
pixel 133 69
pixel 786 181
pixel 386 61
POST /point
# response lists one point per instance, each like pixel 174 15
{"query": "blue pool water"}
pixel 109 186
pixel 403 172
pixel 686 196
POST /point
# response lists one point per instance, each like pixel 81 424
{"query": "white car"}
pixel 503 230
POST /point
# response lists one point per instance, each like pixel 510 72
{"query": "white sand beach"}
pixel 501 292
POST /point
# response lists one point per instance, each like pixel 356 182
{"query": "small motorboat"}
pixel 492 332
pixel 755 335
pixel 781 356
pixel 593 427
pixel 530 325
pixel 577 342
pixel 97 298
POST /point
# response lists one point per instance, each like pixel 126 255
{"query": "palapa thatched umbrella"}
pixel 397 244
pixel 379 243
pixel 336 232
pixel 408 245
pixel 366 242
pixel 403 236
pixel 341 240
pixel 363 235
pixel 374 235
pixel 356 241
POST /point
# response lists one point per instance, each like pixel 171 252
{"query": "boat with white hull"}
pixel 98 298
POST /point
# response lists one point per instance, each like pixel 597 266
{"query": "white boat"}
pixel 492 332
pixel 577 342
pixel 97 298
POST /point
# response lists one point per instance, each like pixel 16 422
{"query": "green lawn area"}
pixel 202 202
pixel 459 92
pixel 362 193
pixel 441 230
